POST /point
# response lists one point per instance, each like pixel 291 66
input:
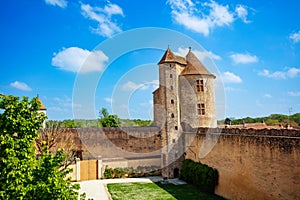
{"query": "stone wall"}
pixel 112 142
pixel 252 164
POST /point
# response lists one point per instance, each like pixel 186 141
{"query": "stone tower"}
pixel 43 109
pixel 185 95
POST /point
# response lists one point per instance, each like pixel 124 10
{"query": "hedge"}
pixel 200 175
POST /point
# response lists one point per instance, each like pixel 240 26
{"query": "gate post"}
pixel 77 170
pixel 99 167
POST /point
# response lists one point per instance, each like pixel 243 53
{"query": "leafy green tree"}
pixel 103 113
pixel 22 176
pixel 107 120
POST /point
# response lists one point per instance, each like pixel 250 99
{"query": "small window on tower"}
pixel 172 101
pixel 201 109
pixel 171 75
pixel 172 115
pixel 176 127
pixel 199 85
pixel 171 87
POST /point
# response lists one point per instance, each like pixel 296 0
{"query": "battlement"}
pixel 246 131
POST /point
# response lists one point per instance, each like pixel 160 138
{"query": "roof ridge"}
pixel 170 57
pixel 194 65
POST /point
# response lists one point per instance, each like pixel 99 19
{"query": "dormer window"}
pixel 199 85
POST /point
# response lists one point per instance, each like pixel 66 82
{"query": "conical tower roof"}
pixel 42 105
pixel 194 66
pixel 170 57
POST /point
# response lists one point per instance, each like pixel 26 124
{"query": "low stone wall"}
pixel 252 164
pixel 94 169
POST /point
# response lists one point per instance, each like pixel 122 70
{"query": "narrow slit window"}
pixel 176 127
pixel 201 108
pixel 199 85
pixel 172 115
pixel 172 101
pixel 171 75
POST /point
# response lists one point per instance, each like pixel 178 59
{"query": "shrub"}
pixel 200 175
pixel 109 173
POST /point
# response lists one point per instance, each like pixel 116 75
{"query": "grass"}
pixel 157 191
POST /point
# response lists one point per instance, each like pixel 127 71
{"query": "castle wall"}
pixel 252 164
pixel 112 142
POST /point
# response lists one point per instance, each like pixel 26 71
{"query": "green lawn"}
pixel 157 191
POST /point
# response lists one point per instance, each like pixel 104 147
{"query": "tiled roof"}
pixel 194 66
pixel 170 57
pixel 42 105
pixel 253 126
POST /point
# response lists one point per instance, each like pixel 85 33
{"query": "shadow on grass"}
pixel 187 191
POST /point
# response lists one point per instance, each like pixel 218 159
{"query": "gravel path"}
pixel 96 189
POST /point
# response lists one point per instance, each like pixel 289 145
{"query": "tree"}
pixel 103 113
pixel 22 176
pixel 107 120
pixel 55 137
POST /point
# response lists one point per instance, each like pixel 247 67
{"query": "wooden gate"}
pixel 88 170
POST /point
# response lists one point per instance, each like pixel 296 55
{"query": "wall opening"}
pixel 176 173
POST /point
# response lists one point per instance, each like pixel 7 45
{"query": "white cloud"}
pixel 108 100
pixel 242 13
pixel 231 89
pixel 131 86
pixel 60 3
pixel 103 16
pixel 202 18
pixel 75 59
pixel 295 37
pixel 20 86
pixel 293 72
pixel 288 73
pixel 229 77
pixel 267 96
pixel 147 103
pixel 201 55
pixel 113 9
pixel 240 58
pixel 294 94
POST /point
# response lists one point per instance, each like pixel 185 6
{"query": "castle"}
pixel 185 96
pixel 252 163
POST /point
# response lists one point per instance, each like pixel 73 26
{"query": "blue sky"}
pixel 255 46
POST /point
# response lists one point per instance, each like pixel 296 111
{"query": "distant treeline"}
pixel 94 123
pixel 272 120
